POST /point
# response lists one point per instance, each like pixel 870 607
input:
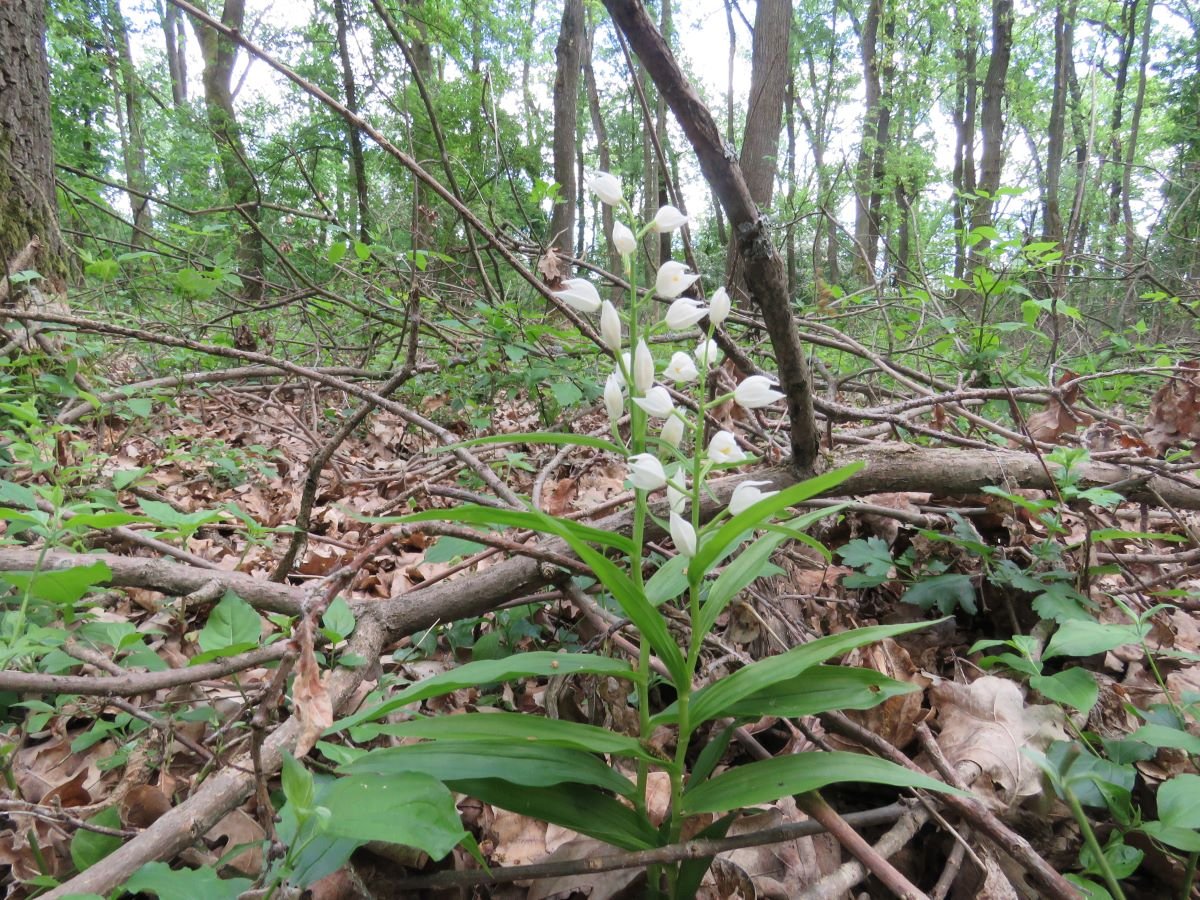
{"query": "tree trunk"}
pixel 358 173
pixel 175 37
pixel 1134 127
pixel 966 92
pixel 1128 35
pixel 219 55
pixel 1064 41
pixel 764 116
pixel 129 115
pixel 29 235
pixel 566 124
pixel 991 117
pixel 866 230
pixel 602 150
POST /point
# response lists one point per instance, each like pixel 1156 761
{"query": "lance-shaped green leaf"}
pixel 629 596
pixel 523 763
pixel 519 727
pixel 579 808
pixel 716 545
pixel 408 808
pixel 490 671
pixel 817 690
pixel 767 780
pixel 718 698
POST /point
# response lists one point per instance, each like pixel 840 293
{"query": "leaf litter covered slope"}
pixel 188 468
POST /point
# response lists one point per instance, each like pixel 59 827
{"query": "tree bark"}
pixel 219 56
pixel 866 231
pixel 762 266
pixel 566 124
pixel 175 37
pixel 991 120
pixel 1064 48
pixel 129 115
pixel 966 92
pixel 358 173
pixel 764 115
pixel 29 235
pixel 602 150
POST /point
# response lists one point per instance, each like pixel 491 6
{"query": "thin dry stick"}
pixel 698 849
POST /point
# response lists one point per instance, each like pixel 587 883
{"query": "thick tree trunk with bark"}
pixel 219 55
pixel 29 235
pixel 566 124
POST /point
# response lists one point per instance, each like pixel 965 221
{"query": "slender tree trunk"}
pixel 865 230
pixel 29 235
pixel 129 115
pixel 963 176
pixel 660 132
pixel 566 124
pixel 764 116
pixel 991 117
pixel 1064 39
pixel 358 174
pixel 175 36
pixel 602 150
pixel 1128 35
pixel 531 117
pixel 1134 127
pixel 219 54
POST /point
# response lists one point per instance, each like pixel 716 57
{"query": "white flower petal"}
pixel 668 219
pixel 614 399
pixel 623 239
pixel 746 495
pixel 683 534
pixel 755 392
pixel 672 431
pixel 646 472
pixel 580 294
pixel 607 187
pixel 684 313
pixel 610 326
pixel 673 279
pixel 708 354
pixel 681 369
pixel 718 306
pixel 676 498
pixel 657 402
pixel 643 368
pixel 723 448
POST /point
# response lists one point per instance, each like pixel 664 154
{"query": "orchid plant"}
pixel 574 774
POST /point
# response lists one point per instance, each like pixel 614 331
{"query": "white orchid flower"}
pixel 673 279
pixel 683 534
pixel 610 326
pixel 580 294
pixel 746 494
pixel 614 397
pixel 607 187
pixel 681 369
pixel 657 402
pixel 677 499
pixel 646 472
pixel 643 368
pixel 669 219
pixel 707 353
pixel 672 431
pixel 718 306
pixel 755 392
pixel 684 313
pixel 623 239
pixel 723 448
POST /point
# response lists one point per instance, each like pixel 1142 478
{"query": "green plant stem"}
pixel 1089 838
pixel 1189 876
